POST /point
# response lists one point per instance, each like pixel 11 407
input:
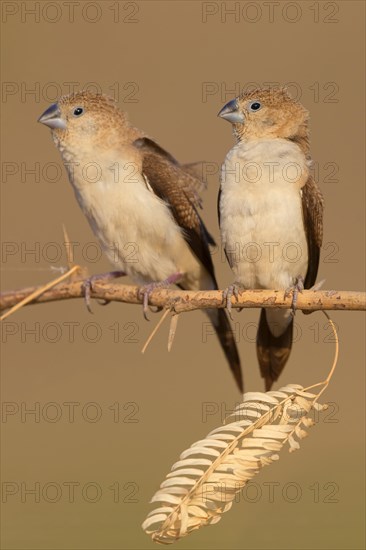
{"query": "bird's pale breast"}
pixel 261 214
pixel 135 228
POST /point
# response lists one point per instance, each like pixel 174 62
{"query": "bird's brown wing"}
pixel 312 207
pixel 177 187
pixel 148 145
pixel 198 171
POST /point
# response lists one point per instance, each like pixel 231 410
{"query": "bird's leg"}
pixel 228 293
pixel 145 291
pixel 297 287
pixel 88 285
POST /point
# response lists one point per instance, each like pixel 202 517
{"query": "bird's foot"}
pixel 88 285
pixel 145 291
pixel 297 287
pixel 228 293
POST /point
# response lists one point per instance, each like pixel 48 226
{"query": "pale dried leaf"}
pixel 186 471
pixel 294 445
pixel 200 450
pixel 197 511
pixel 166 497
pixel 178 481
pixel 224 437
pixel 192 462
pixel 209 442
pixel 184 520
pixel 175 490
pixel 300 433
pixel 318 407
pixel 160 510
pixel 228 428
pixel 158 518
pixel 308 422
pixel 259 397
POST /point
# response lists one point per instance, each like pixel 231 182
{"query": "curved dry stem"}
pixel 325 382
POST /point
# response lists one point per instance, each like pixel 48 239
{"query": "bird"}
pixel 270 212
pixel 131 190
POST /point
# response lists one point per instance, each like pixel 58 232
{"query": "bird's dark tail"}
pixel 224 332
pixel 272 351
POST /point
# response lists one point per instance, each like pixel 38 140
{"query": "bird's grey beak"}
pixel 52 117
pixel 231 112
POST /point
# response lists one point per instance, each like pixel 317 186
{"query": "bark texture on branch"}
pixel 182 301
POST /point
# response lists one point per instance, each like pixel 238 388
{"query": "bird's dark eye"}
pixel 255 106
pixel 78 111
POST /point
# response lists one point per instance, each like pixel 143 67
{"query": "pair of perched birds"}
pixel 270 208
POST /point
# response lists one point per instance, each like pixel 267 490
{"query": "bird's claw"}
pixel 227 294
pixel 145 291
pixel 294 290
pixel 104 302
pixel 88 286
pixel 144 294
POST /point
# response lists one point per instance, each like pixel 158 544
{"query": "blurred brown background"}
pixel 109 422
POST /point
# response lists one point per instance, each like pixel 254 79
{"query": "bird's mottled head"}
pixel 266 113
pixel 84 116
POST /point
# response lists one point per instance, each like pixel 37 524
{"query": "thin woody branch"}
pixel 181 301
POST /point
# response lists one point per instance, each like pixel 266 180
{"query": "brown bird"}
pixel 271 211
pixel 133 191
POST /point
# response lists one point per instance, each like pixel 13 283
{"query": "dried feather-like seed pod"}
pixel 204 481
